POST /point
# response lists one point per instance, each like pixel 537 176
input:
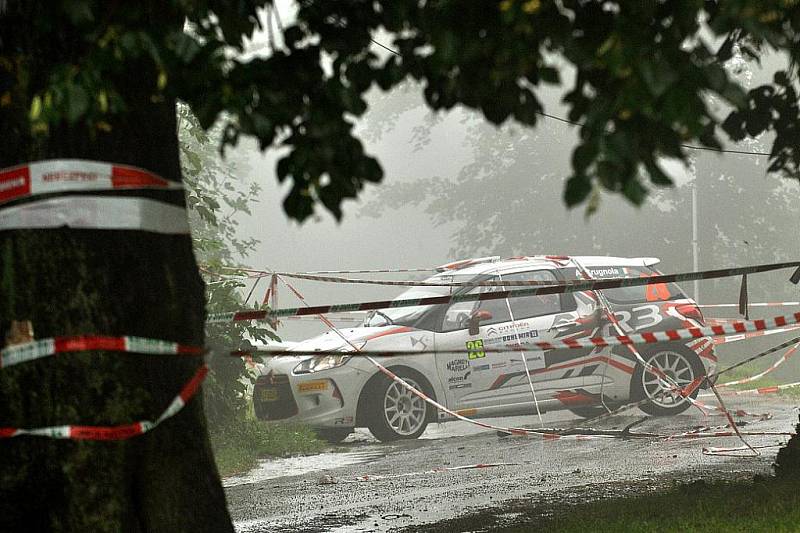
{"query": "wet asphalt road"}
pixel 287 494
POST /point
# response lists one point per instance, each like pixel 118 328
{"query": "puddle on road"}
pixel 297 466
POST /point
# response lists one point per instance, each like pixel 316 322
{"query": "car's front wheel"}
pixel 394 412
pixel 678 363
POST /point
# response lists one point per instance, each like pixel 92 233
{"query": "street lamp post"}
pixel 695 258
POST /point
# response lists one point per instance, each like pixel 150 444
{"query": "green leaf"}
pixel 634 191
pixel 658 75
pixel 577 189
pixel 77 102
pixel 583 156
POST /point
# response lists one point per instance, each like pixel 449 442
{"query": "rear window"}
pixel 643 293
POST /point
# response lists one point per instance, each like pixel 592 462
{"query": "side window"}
pixel 531 306
pixel 457 315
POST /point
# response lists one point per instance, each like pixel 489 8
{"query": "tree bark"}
pixel 72 282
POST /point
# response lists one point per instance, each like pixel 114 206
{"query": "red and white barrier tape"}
pixel 763 390
pixel 85 211
pixel 571 286
pixel 728 339
pixel 756 304
pixel 736 451
pixel 782 359
pixel 654 337
pixel 118 432
pixel 372 271
pixel 23 353
pixel 97 212
pixel 543 287
pixel 698 381
pixel 62 175
pixel 381 477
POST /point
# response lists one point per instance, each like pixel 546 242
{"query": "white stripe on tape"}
pixel 97 212
pixel 61 175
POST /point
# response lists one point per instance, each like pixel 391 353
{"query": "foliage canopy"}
pixel 644 73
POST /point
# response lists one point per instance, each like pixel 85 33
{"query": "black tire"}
pixel 588 411
pixel 379 402
pixel 670 404
pixel 333 435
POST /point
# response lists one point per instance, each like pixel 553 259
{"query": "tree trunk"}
pixel 108 282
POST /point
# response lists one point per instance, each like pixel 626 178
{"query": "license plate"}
pixel 268 395
pixel 313 386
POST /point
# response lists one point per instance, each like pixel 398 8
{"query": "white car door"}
pixel 476 378
pixel 465 368
pixel 536 319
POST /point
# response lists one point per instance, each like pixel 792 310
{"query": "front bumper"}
pixel 310 399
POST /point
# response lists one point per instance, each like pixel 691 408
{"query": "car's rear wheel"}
pixel 333 435
pixel 394 412
pixel 681 365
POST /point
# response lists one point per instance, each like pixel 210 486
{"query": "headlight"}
pixel 320 362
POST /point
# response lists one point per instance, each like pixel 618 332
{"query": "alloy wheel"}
pixel 404 411
pixel 674 365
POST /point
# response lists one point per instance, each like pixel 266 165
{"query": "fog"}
pixel 456 186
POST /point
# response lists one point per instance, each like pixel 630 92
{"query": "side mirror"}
pixel 476 319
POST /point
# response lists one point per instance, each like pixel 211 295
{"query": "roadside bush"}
pixel 787 463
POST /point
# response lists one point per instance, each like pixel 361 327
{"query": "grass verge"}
pixel 239 445
pixel 766 504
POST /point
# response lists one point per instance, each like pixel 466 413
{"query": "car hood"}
pixel 351 339
pixel 367 338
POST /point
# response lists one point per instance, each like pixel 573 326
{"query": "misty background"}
pixel 456 186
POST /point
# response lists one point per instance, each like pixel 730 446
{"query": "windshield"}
pixel 408 316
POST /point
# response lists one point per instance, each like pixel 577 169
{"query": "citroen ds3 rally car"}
pixel 336 392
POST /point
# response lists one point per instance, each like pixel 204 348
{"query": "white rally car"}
pixel 335 393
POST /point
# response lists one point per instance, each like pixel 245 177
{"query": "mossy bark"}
pixel 71 282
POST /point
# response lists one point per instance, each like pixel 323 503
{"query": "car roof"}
pixel 483 265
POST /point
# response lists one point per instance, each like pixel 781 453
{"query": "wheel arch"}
pixel 378 375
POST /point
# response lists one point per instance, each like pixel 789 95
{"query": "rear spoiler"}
pixel 457 265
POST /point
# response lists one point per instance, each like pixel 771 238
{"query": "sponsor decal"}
pixel 456 379
pixel 480 368
pixel 461 386
pixel 70 175
pixel 475 349
pixel 467 412
pixel 499 365
pixel 313 386
pixel 344 421
pixel 499 330
pixel 421 341
pixel 605 272
pixel 458 365
pixel 532 334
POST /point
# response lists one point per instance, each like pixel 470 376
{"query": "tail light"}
pixel 690 311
